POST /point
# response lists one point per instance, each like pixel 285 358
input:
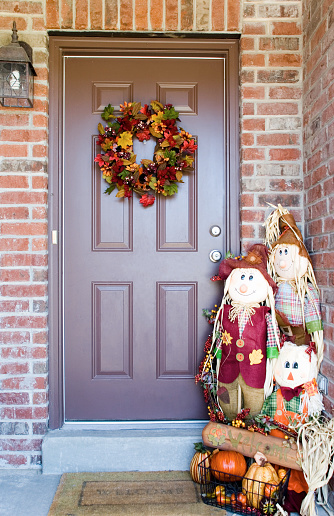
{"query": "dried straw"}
pixel 315 445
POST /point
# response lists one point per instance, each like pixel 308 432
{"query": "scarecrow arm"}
pixel 272 351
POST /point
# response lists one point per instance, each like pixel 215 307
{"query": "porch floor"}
pixel 30 493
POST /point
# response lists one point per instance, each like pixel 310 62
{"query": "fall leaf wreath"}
pixel 173 154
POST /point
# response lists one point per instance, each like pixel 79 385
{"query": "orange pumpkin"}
pixel 225 464
pixel 200 455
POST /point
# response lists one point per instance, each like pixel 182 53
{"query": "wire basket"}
pixel 239 494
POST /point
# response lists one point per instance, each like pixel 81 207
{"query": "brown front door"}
pixel 136 279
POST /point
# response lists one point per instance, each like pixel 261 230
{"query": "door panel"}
pixel 136 279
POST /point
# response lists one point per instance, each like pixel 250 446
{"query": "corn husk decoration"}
pixel 282 231
pixel 316 455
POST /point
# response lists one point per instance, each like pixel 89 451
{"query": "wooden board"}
pixel 278 451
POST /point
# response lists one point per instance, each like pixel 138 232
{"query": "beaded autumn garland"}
pixel 173 154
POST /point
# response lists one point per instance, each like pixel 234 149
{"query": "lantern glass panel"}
pixel 16 85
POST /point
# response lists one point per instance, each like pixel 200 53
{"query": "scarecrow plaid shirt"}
pixel 288 303
pixel 270 405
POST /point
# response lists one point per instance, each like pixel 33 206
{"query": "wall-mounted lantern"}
pixel 16 73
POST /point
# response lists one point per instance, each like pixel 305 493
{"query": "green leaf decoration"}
pixel 108 113
pixel 124 174
pixel 156 106
pixel 200 447
pixel 229 255
pixel 171 189
pixel 171 156
pixel 101 129
pixel 170 114
pixel 110 189
pixel 115 126
pixel 152 182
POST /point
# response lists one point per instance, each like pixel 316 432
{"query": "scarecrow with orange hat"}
pixel 245 335
pixel 297 300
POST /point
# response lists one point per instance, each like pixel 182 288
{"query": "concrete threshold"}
pixel 137 446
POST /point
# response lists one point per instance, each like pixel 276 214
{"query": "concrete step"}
pixel 147 446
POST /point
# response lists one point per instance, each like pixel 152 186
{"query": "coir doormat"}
pixel 165 493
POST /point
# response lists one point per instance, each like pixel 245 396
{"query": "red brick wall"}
pixel 271 112
pixel 271 165
pixel 318 137
pixel 23 253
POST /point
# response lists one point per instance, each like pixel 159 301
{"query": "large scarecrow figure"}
pixel 297 299
pixel 245 335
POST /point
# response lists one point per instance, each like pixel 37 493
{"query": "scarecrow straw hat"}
pixel 256 258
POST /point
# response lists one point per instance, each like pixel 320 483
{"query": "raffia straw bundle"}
pixel 316 454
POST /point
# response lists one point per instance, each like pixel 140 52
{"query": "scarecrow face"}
pixel 288 262
pixel 247 286
pixel 293 366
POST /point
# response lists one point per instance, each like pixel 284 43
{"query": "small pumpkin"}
pixel 281 473
pixel 239 500
pixel 201 453
pixel 270 490
pixel 225 464
pixel 219 489
pixel 223 499
pixel 242 499
pixel 258 475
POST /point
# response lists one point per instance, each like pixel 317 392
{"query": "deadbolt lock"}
pixel 215 231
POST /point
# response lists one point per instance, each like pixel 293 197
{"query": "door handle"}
pixel 215 256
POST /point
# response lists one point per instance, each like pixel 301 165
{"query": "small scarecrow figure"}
pixel 245 334
pixel 296 398
pixel 297 300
